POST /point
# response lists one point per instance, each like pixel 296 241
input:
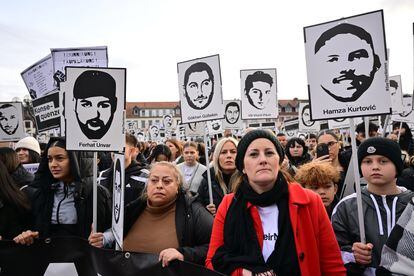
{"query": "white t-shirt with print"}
pixel 269 216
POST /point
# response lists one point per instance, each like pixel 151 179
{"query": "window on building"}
pixel 293 109
pixel 136 111
pixel 143 124
pixel 149 122
pixel 283 109
pixel 154 112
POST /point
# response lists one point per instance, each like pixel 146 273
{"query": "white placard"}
pixel 154 133
pixel 77 57
pixel 305 122
pixel 94 109
pixel 167 121
pixel 118 198
pixel 347 67
pixel 131 125
pixel 342 123
pixel 407 115
pixel 232 113
pixel 47 111
pixel 39 77
pixel 258 94
pixel 195 129
pixel 291 127
pixel 215 127
pixel 31 168
pixel 199 86
pixel 11 121
pixel 396 94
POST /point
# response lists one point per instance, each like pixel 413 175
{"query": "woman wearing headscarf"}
pixel 269 226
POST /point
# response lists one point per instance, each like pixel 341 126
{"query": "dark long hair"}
pixel 9 158
pixel 9 192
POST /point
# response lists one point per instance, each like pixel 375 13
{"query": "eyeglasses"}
pixel 330 144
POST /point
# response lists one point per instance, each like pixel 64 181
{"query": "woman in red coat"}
pixel 269 226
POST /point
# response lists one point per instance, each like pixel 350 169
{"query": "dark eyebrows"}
pixel 85 101
pixel 360 52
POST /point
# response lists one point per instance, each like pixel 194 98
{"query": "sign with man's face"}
pixel 154 133
pixel 396 94
pixel 39 77
pixel 407 114
pixel 346 65
pixel 305 122
pixel 11 122
pixel 131 126
pixel 167 121
pixel 199 84
pixel 232 113
pixel 118 198
pixel 94 107
pixel 47 112
pixel 258 94
pixel 195 129
pixel 215 127
pixel 77 57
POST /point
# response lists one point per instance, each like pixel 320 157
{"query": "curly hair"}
pixel 317 174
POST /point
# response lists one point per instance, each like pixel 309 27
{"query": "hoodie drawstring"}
pixel 381 230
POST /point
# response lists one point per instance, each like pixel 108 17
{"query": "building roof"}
pixel 149 105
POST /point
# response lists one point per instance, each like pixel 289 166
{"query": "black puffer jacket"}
pixel 81 164
pixel 193 223
pixel 203 195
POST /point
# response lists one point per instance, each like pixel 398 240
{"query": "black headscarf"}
pixel 241 247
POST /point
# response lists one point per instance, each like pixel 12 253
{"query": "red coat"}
pixel 317 249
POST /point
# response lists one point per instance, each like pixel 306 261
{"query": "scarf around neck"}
pixel 241 248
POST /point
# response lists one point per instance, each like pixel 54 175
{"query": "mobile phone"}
pixel 321 150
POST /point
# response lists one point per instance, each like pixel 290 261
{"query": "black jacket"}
pixel 203 195
pixel 12 221
pixel 22 177
pixel 193 223
pixel 380 215
pixel 136 176
pixel 81 164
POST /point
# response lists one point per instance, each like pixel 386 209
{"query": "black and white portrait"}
pixel 11 121
pixel 154 132
pixel 215 127
pixel 200 89
pixel 232 112
pixel 305 122
pixel 94 105
pixel 396 94
pixel 118 197
pixel 195 129
pixel 167 121
pixel 346 61
pixel 140 136
pixel 259 99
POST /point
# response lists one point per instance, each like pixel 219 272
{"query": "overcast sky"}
pixel 149 37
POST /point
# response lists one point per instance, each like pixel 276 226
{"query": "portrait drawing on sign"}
pixel 306 116
pixel 347 58
pixel 232 113
pixel 199 85
pixel 9 120
pixel 258 89
pixel 95 102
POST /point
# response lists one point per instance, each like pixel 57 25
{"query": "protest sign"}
pixel 11 121
pixel 47 112
pixel 232 113
pixel 39 77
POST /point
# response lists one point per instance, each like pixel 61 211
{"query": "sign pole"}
pixel 95 190
pixel 210 190
pixel 366 124
pixel 357 182
pixel 399 132
pixel 384 129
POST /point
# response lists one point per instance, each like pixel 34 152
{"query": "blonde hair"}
pixel 176 175
pixel 216 163
pixel 317 174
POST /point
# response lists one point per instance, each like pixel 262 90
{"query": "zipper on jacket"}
pixel 65 194
pixel 381 229
pixel 388 212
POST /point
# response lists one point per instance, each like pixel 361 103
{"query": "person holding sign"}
pixel 383 202
pixel 221 172
pixel 180 227
pixel 62 204
pixel 269 226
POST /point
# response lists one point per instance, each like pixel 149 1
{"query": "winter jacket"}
pixel 203 195
pixel 81 164
pixel 12 220
pixel 406 179
pixel 21 176
pixel 317 250
pixel 193 225
pixel 136 177
pixel 380 216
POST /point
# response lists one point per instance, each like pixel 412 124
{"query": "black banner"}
pixel 46 111
pixel 33 260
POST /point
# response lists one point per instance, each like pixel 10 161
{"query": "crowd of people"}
pixel 260 204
